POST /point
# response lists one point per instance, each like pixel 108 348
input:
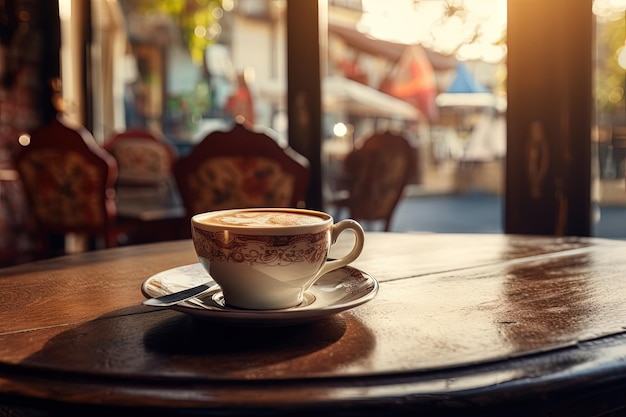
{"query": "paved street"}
pixel 480 213
pixel 450 213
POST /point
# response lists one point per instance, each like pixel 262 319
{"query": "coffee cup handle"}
pixel 337 229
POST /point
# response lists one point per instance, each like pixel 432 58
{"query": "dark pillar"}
pixel 303 90
pixel 549 117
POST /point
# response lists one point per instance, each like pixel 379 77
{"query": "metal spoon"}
pixel 179 296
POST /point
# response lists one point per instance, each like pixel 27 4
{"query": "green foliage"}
pixel 195 18
pixel 610 78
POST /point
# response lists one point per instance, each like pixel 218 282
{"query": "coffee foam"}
pixel 263 219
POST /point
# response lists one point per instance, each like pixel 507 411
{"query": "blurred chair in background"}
pixel 377 171
pixel 148 202
pixel 241 168
pixel 142 158
pixel 69 183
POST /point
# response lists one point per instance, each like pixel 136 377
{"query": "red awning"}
pixel 391 50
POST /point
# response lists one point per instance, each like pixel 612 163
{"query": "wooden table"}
pixel 462 325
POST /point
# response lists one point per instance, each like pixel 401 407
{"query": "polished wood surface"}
pixel 462 325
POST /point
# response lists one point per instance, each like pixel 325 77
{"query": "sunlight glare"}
pixel 619 5
pixel 609 9
pixel 24 139
pixel 621 57
pixel 65 9
pixel 426 23
pixel 340 130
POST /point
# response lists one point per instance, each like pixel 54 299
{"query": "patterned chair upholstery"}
pixel 240 168
pixel 69 183
pixel 142 158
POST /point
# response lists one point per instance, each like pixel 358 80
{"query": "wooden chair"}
pixel 241 168
pixel 377 172
pixel 142 158
pixel 148 203
pixel 69 183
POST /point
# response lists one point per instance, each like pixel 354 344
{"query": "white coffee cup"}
pixel 267 258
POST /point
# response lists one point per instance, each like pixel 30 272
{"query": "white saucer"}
pixel 336 291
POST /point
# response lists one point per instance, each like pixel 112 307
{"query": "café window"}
pixel 608 140
pixel 177 78
pixel 435 73
pixel 182 68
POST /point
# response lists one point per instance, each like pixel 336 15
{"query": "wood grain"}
pixel 461 323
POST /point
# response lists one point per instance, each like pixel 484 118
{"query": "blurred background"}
pixel 441 72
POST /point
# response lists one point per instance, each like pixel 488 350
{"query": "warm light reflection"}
pixel 200 31
pixel 621 57
pixel 616 95
pixel 340 130
pixel 473 31
pixel 24 139
pixel 65 9
pixel 218 13
pixel 228 5
pixel 214 31
pixel 606 11
pixel 609 9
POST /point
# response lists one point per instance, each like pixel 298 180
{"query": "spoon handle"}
pixel 179 296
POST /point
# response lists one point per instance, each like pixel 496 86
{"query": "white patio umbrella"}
pixel 471 100
pixel 340 94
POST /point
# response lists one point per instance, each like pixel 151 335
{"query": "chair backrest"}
pixel 377 173
pixel 142 158
pixel 241 168
pixel 69 181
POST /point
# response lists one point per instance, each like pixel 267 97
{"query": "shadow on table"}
pixel 292 351
pixel 166 344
